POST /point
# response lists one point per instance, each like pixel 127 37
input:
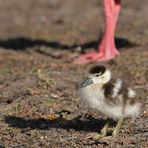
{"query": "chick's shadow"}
pixel 89 125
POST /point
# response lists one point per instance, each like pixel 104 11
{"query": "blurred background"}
pixel 39 39
pixel 68 21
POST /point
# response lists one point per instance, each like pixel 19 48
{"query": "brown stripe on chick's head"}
pixel 100 69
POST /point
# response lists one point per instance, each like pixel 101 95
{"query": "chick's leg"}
pixel 117 128
pixel 104 130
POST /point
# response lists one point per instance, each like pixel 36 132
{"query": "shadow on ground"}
pixel 23 43
pixel 92 125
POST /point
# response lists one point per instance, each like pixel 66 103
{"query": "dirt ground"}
pixel 39 39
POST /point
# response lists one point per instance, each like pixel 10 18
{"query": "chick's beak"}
pixel 87 82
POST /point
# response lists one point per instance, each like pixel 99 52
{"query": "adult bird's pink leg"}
pixel 106 49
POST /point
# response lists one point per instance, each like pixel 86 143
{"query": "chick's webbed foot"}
pixel 96 136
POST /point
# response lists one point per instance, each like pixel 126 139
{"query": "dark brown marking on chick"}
pixel 108 91
pixel 124 91
pixel 134 99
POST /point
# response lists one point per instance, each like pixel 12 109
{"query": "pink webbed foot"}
pixel 106 51
pixel 89 57
pixel 95 57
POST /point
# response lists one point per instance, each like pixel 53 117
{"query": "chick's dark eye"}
pixel 97 75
